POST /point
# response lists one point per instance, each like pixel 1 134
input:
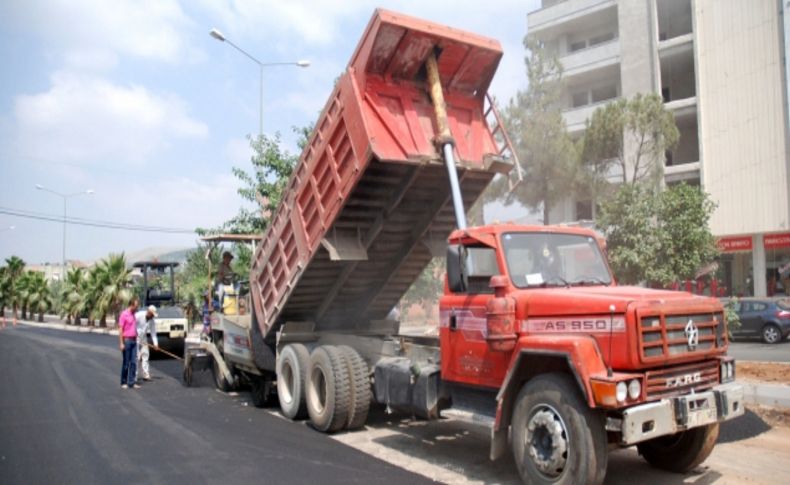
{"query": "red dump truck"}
pixel 534 331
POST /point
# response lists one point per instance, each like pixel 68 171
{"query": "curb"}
pixel 776 395
pixel 68 328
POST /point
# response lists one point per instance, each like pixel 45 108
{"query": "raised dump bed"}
pixel 369 202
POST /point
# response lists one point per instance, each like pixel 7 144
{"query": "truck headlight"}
pixel 634 389
pixel 621 391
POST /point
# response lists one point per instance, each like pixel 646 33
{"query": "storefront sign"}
pixel 773 241
pixel 734 244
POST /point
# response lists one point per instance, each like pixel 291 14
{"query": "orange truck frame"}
pixel 534 331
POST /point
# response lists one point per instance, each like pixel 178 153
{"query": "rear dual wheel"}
pixel 338 389
pixel 292 367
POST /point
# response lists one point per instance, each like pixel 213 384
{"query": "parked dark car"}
pixel 766 318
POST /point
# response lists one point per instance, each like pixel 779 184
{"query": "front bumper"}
pixel 671 415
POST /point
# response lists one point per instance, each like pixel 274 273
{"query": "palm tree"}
pixel 5 291
pixel 22 292
pixel 72 301
pixel 116 293
pixel 15 268
pixel 39 295
pixel 91 289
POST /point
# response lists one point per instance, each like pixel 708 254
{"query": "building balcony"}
pixel 576 118
pixel 676 46
pixel 683 108
pixel 554 15
pixel 682 173
pixel 593 58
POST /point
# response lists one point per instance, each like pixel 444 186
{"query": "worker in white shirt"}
pixel 145 325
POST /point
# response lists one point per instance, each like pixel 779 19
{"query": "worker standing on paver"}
pixel 224 277
pixel 127 338
pixel 145 325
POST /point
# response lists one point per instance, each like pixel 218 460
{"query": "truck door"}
pixel 466 357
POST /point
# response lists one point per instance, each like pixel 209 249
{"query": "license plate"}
pixel 177 334
pixel 701 417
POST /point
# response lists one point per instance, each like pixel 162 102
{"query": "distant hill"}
pixel 161 254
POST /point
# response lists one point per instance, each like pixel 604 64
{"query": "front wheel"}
pixel 680 452
pixel 771 334
pixel 557 438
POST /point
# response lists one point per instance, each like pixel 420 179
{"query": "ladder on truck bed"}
pixel 498 131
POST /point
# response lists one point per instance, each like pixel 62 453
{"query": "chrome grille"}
pixel 680 379
pixel 664 336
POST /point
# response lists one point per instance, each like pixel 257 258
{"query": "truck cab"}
pixel 523 302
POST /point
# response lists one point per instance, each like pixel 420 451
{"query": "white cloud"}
pixel 89 29
pixel 84 118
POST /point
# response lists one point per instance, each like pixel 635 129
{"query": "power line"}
pixel 92 223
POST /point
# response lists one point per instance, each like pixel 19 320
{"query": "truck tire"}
pixel 291 373
pixel 680 452
pixel 328 389
pixel 261 392
pixel 359 377
pixel 557 438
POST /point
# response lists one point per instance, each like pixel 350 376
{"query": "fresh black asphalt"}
pixel 64 419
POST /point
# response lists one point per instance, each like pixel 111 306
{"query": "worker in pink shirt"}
pixel 127 340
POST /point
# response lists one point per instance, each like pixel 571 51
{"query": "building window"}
pixel 604 93
pixel 600 39
pixel 579 99
pixel 777 264
pixel 577 46
pixel 584 210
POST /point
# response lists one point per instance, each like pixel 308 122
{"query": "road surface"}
pixel 64 419
pixel 761 352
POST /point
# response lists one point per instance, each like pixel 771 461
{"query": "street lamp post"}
pixel 303 63
pixel 65 197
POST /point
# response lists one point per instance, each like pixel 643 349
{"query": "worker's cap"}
pixel 152 310
pixel 227 254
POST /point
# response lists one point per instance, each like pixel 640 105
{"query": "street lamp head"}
pixel 303 63
pixel 217 35
pixel 89 192
pixel 12 227
pixel 39 187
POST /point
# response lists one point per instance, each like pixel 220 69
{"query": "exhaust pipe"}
pixel 445 138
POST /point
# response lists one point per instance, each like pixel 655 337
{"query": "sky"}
pixel 134 100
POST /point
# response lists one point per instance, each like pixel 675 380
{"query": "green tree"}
pixel 263 186
pixel 6 295
pixel 22 292
pixel 116 292
pixel 657 236
pixel 428 287
pixel 39 296
pixel 72 301
pixel 630 134
pixel 15 267
pixel 534 121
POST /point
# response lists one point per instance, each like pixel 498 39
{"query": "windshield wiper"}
pixel 551 281
pixel 589 280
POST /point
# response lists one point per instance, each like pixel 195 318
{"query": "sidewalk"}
pixel 61 326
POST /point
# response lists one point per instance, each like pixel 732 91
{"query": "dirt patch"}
pixel 763 371
pixel 773 416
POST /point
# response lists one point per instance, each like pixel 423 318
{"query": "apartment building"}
pixel 721 68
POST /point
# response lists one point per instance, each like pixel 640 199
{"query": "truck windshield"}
pixel 553 259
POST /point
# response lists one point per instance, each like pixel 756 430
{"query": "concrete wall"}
pixel 741 105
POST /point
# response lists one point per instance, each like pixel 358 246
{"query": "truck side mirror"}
pixel 457 278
